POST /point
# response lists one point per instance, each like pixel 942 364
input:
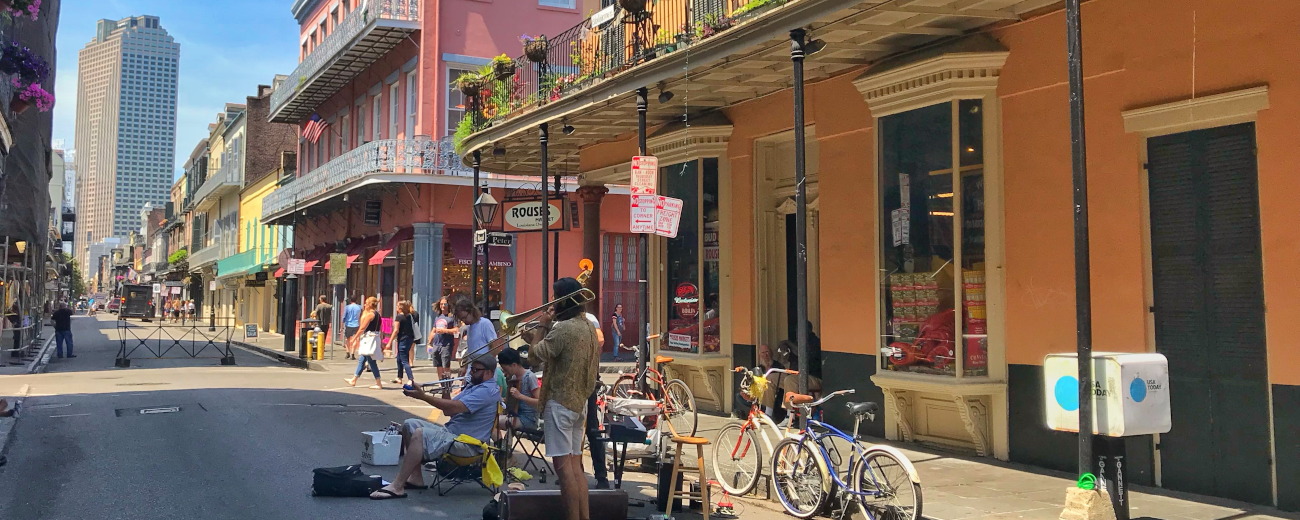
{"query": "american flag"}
pixel 315 127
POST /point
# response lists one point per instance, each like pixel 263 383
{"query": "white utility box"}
pixel 1130 393
pixel 381 448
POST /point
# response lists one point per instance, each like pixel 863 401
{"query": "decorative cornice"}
pixel 934 80
pixel 1227 108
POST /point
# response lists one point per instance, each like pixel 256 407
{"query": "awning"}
pixel 462 247
pixel 279 273
pixel 355 249
pixel 402 235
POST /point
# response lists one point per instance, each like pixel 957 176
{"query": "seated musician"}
pixel 472 412
pixel 524 392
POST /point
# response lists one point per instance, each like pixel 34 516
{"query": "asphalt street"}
pixel 224 442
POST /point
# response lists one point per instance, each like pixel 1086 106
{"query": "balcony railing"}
pixel 588 53
pixel 364 36
pixel 205 256
pixel 416 157
pixel 228 178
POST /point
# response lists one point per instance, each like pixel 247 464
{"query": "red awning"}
pixel 462 247
pixel 279 272
pixel 400 236
pixel 311 264
pixel 351 258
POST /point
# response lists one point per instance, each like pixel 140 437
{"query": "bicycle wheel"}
pixel 737 459
pixel 679 407
pixel 800 477
pixel 625 387
pixel 886 486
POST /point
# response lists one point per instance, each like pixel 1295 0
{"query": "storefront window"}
pixel 457 279
pixel 933 239
pixel 693 258
pixel 682 181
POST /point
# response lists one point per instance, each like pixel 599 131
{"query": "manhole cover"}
pixel 363 413
pixel 157 410
pixel 45 406
pixel 168 409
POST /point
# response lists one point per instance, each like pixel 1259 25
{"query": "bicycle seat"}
pixel 660 360
pixel 860 409
pixel 797 399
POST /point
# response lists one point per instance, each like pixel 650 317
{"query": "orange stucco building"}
pixel 939 188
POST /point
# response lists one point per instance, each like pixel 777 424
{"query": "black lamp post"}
pixel 473 282
pixel 485 208
pixel 797 53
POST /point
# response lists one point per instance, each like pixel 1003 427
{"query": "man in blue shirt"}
pixel 351 322
pixel 472 412
pixel 479 333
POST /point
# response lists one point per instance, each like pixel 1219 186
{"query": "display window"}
pixel 932 240
pixel 692 259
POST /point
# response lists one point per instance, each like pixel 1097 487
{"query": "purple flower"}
pixel 38 96
pixel 21 62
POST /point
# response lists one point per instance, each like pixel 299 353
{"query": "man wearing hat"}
pixel 472 413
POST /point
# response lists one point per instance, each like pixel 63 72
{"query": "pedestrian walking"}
pixel 616 326
pixel 324 314
pixel 404 336
pixel 442 340
pixel 351 322
pixel 366 343
pixel 63 330
pixel 571 358
pixel 189 310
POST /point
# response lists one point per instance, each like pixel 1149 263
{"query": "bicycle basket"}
pixel 754 391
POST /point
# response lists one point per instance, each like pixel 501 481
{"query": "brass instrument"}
pixel 512 329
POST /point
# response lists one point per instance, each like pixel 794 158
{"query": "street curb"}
pixel 290 359
pixel 7 424
pixel 42 360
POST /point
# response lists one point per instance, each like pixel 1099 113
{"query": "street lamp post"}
pixel 544 136
pixel 1082 266
pixel 797 53
pixel 485 208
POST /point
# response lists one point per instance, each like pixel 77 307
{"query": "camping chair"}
pixel 453 469
pixel 532 450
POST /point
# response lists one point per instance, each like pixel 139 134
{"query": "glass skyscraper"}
pixel 126 126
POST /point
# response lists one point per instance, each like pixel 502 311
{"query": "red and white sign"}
pixel 296 266
pixel 645 174
pixel 643 214
pixel 668 214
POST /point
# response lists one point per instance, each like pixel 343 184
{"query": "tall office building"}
pixel 126 126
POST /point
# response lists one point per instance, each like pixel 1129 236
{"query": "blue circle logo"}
pixel 1067 393
pixel 1138 389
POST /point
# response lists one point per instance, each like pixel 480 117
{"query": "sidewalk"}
pixel 956 487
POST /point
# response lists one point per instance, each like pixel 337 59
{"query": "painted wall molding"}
pixel 1238 106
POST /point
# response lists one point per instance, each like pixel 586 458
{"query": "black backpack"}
pixel 343 481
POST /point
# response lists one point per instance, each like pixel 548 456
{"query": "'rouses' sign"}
pixel 527 216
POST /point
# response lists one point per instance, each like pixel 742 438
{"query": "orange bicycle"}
pixel 676 401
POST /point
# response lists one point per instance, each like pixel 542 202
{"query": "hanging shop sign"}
pixel 645 174
pixel 527 216
pixel 338 268
pixel 373 211
pixel 603 16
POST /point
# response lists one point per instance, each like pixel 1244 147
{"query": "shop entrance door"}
pixel 619 274
pixel 774 164
pixel 1209 312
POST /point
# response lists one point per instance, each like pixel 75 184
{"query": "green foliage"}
pixel 76 282
pixel 177 257
pixel 755 5
pixel 502 59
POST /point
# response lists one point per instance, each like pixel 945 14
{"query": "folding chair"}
pixel 454 469
pixel 532 450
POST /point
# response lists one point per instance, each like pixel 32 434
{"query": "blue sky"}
pixel 227 49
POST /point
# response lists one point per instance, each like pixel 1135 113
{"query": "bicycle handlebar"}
pixel 741 370
pixel 792 396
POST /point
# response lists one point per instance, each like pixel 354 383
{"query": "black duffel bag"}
pixel 343 481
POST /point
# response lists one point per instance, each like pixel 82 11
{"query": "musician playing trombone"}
pixel 571 358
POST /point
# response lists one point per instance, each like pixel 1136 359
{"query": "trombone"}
pixel 513 326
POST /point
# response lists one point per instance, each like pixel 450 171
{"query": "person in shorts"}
pixel 442 338
pixel 351 323
pixel 571 357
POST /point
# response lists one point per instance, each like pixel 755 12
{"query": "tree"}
pixel 179 256
pixel 76 283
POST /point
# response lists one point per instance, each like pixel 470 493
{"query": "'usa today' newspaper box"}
pixel 1130 393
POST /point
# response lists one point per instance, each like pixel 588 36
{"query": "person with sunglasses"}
pixel 472 413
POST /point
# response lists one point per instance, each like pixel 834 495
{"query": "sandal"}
pixel 412 485
pixel 385 494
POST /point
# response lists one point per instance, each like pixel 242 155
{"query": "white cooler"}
pixel 381 448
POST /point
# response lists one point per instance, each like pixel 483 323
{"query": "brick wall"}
pixel 266 140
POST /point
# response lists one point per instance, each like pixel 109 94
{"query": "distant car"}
pixel 114 304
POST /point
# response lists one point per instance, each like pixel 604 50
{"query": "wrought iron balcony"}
pixel 387 160
pixel 364 36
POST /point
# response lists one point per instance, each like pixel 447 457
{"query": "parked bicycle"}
pixel 678 403
pixel 737 455
pixel 882 481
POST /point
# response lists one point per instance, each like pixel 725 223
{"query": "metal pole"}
pixel 487 266
pixel 555 254
pixel 644 275
pixel 478 161
pixel 1082 269
pixel 290 293
pixel 544 136
pixel 801 212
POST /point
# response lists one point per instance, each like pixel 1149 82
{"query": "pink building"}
pixel 381 181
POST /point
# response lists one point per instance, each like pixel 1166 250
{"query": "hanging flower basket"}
pixel 632 6
pixel 535 49
pixel 469 84
pixel 18 105
pixel 503 69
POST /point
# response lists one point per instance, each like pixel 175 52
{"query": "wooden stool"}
pixel 700 469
